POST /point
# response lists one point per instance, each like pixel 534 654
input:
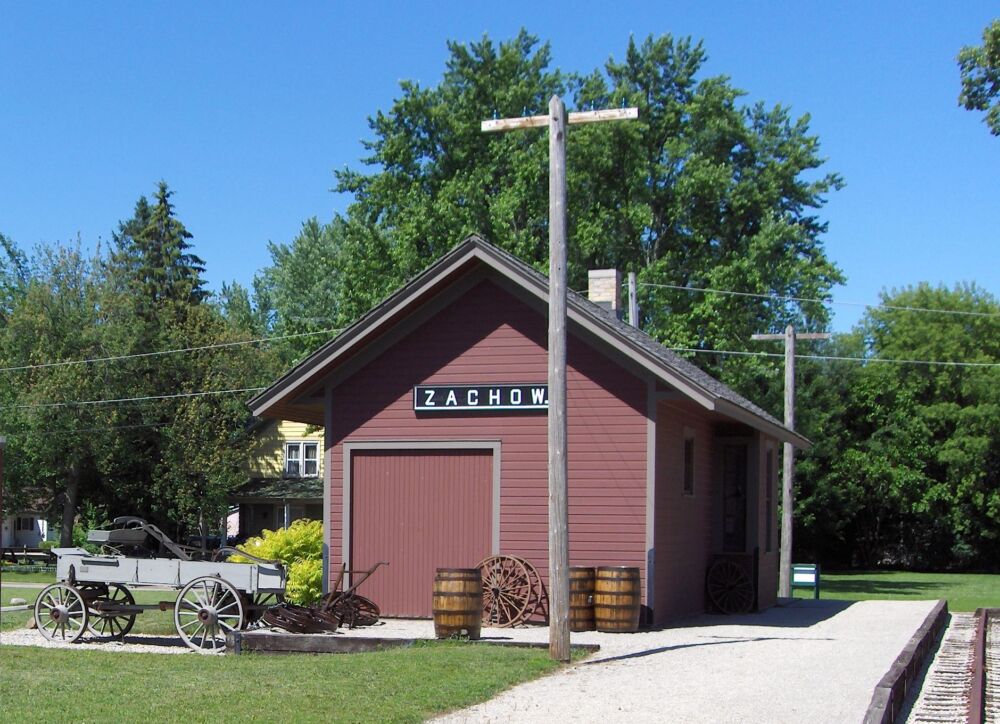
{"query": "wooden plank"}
pixel 510 124
pixel 890 692
pixel 605 114
pixel 268 642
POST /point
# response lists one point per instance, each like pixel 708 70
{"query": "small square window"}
pixel 301 459
pixel 689 465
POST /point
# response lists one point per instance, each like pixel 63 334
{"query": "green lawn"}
pixel 394 685
pixel 8 578
pixel 964 591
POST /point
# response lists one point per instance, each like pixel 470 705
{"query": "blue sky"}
pixel 246 108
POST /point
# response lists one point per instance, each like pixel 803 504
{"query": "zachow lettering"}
pixel 428 398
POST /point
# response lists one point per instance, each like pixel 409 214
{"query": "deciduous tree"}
pixel 980 68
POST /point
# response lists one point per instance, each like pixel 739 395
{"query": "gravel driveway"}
pixel 812 661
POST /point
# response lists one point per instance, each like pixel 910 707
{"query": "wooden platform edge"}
pixel 268 642
pixel 890 693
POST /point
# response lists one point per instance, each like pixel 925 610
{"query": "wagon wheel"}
pixel 61 613
pixel 507 590
pixel 255 604
pixel 353 610
pixel 729 587
pixel 206 610
pixel 538 603
pixel 108 624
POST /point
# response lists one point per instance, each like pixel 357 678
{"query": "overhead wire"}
pixel 696 350
pixel 116 358
pixel 82 403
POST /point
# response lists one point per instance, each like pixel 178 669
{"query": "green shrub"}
pixel 305 581
pixel 300 548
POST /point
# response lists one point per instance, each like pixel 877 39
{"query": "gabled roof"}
pixel 296 391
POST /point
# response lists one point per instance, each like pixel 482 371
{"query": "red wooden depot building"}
pixel 433 406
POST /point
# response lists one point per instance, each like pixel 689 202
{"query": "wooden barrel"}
pixel 617 593
pixel 581 598
pixel 458 602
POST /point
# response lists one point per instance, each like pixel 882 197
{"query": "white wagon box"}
pixel 216 597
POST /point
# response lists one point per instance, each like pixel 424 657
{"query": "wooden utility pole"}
pixel 788 455
pixel 556 121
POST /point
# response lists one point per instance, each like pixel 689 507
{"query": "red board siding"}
pixel 419 511
pixel 490 336
pixel 684 530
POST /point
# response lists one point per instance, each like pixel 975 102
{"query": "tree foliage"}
pixel 165 451
pixel 906 469
pixel 980 68
pixel 702 191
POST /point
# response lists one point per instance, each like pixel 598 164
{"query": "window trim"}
pixel 770 488
pixel 688 465
pixel 302 460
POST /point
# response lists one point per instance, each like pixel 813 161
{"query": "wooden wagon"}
pixel 93 592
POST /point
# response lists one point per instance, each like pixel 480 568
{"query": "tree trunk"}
pixel 69 505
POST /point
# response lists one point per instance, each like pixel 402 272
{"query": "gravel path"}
pixel 140 643
pixel 813 661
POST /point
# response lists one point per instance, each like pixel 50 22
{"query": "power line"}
pixel 836 357
pixel 81 403
pixel 116 358
pixel 821 301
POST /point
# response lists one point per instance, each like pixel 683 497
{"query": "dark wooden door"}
pixel 734 497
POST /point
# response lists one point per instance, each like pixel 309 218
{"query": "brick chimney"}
pixel 604 288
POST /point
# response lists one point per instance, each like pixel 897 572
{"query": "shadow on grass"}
pixel 873 586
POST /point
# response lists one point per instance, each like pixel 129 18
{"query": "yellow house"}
pixel 285 477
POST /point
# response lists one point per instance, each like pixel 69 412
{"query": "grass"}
pixel 397 685
pixel 11 578
pixel 963 591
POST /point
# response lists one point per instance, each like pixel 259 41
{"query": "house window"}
pixel 301 459
pixel 688 462
pixel 769 483
pixel 25 524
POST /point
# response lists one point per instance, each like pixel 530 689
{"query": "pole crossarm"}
pixel 798 335
pixel 606 114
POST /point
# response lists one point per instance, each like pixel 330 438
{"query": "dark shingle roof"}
pixel 283 488
pixel 661 360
